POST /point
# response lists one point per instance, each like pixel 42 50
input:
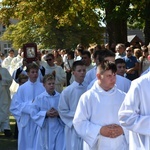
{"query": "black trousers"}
pixel 68 77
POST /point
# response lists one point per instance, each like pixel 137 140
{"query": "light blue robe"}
pixel 27 128
pixel 67 106
pixel 122 83
pixel 50 131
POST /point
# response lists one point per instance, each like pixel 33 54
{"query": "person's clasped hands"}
pixel 111 131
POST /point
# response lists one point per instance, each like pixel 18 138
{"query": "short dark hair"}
pixel 77 63
pixel 71 53
pixel 85 52
pixel 98 47
pixel 107 65
pixel 50 55
pixel 32 66
pixel 96 53
pixel 11 50
pixel 105 53
pixel 43 51
pixel 120 61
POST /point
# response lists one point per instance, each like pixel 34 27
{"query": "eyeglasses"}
pixel 128 50
pixel 48 59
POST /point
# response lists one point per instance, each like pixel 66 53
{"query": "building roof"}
pixel 131 37
pixel 138 32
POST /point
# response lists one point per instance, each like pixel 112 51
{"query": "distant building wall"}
pixel 5 45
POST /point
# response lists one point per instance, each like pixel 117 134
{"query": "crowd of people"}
pixel 88 99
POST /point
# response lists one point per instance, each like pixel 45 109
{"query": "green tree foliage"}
pixel 139 17
pixel 51 23
pixel 65 23
pixel 120 12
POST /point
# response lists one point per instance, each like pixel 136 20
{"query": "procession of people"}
pixel 91 98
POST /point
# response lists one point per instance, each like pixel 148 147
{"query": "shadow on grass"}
pixel 8 143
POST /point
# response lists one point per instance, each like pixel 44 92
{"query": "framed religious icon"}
pixel 30 51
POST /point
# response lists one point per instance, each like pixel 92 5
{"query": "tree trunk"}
pixel 147 24
pixel 117 31
pixel 116 25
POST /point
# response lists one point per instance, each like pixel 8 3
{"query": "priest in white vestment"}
pixel 5 99
pixel 15 61
pixel 96 116
pixel 57 71
pixel 7 61
pixel 15 111
pixel 134 113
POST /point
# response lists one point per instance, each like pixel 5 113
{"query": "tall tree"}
pixel 139 17
pixel 147 23
pixel 116 19
pixel 51 23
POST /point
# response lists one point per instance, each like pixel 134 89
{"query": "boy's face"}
pixel 50 86
pixel 23 81
pixel 121 68
pixel 79 73
pixel 33 75
pixel 86 60
pixel 11 54
pixel 107 79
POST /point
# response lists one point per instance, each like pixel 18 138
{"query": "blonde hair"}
pixel 137 52
pixel 48 77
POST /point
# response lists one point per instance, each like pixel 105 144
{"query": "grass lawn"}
pixel 8 143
